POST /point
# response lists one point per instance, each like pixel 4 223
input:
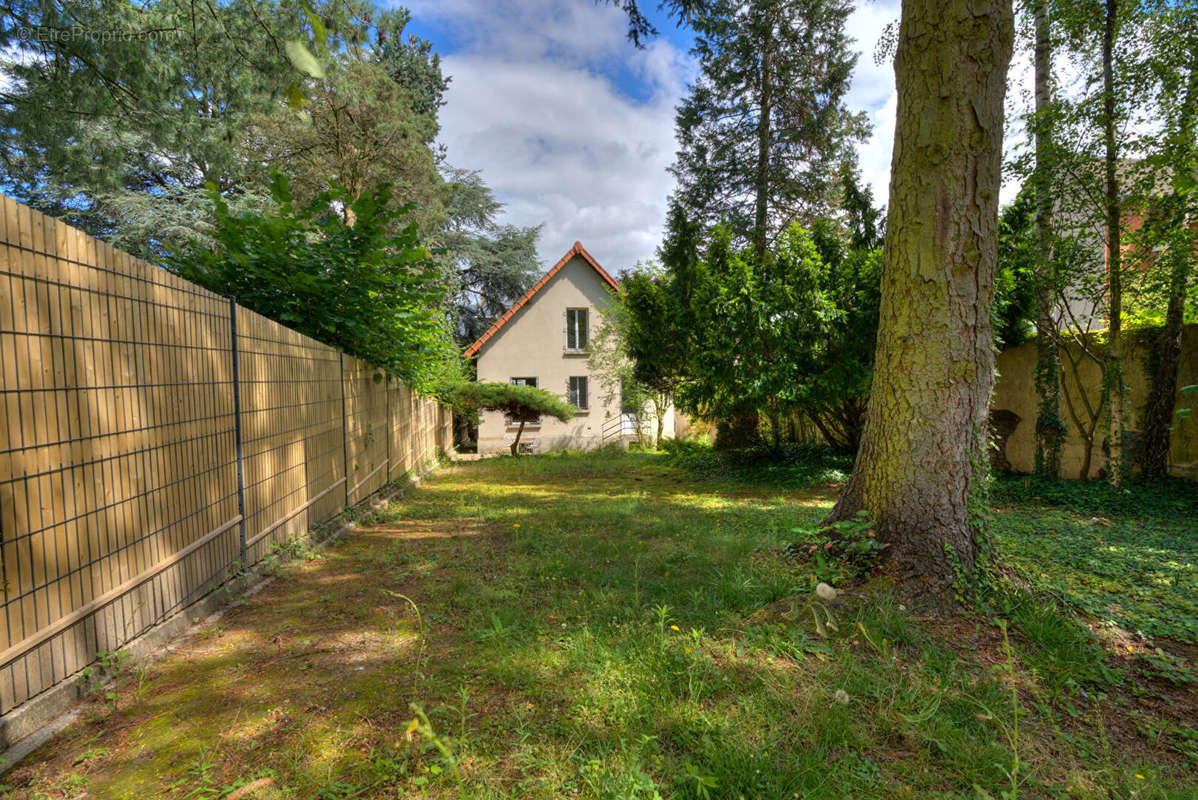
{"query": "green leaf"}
pixel 296 99
pixel 302 59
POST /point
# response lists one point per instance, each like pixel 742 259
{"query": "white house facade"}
pixel 543 340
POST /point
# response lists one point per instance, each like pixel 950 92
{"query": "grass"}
pixel 1127 556
pixel 625 625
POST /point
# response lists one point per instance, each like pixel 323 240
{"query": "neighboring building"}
pixel 543 341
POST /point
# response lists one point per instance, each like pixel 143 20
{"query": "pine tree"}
pixel 765 130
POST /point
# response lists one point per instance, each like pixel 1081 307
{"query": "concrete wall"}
pixel 533 345
pixel 1016 392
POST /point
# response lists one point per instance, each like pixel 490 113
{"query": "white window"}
pixel 576 329
pixel 522 382
pixel 576 393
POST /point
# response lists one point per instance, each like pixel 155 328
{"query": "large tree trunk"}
pixel 762 178
pixel 1162 396
pixel 1050 431
pixel 923 450
pixel 1113 370
pixel 1158 411
pixel 738 432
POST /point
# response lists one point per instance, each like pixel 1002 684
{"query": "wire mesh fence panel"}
pixel 117 462
pixel 366 428
pixel 125 396
pixel 292 431
pixel 401 413
pixel 428 429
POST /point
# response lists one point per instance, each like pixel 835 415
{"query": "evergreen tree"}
pixel 1168 242
pixel 765 129
pixel 119 135
pixel 490 265
pixel 369 117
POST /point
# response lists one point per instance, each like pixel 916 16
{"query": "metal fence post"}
pixel 237 429
pixel 344 430
pixel 387 415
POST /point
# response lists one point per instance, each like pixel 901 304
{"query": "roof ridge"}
pixel 576 250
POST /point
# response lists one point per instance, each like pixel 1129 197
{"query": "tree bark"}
pixel 738 432
pixel 1162 395
pixel 1158 411
pixel 1113 371
pixel 776 429
pixel 1050 431
pixel 762 187
pixel 516 441
pixel 923 449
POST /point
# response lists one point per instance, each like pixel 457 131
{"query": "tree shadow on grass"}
pixel 560 639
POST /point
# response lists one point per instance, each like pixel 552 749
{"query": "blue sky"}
pixel 573 127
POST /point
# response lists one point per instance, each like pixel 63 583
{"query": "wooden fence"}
pixel 156 438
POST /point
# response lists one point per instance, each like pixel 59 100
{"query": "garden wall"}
pixel 1016 392
pixel 155 438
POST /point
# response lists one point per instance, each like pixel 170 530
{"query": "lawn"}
pixel 627 625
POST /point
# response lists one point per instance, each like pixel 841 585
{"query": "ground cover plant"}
pixel 614 625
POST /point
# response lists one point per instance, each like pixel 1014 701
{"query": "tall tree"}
pixel 1113 372
pixel 923 451
pixel 120 135
pixel 765 129
pixel 1099 139
pixel 489 265
pixel 369 116
pixel 1169 235
pixel 1050 430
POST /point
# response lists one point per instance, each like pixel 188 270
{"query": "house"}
pixel 543 340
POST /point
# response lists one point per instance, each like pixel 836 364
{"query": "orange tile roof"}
pixel 576 250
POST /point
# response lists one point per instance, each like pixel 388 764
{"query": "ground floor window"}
pixel 523 382
pixel 576 394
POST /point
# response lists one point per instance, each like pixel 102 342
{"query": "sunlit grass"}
pixel 612 626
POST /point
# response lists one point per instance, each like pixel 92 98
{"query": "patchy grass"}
pixel 614 626
pixel 1127 556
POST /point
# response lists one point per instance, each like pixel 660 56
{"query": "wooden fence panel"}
pixel 292 431
pixel 366 428
pixel 402 417
pixel 117 462
pixel 120 498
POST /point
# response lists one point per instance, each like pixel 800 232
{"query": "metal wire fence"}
pixel 156 438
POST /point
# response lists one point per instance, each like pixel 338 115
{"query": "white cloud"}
pixel 873 92
pixel 532 105
pixel 554 137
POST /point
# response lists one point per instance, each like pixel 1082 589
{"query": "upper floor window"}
pixel 577 330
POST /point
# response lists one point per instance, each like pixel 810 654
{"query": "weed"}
pixel 102 680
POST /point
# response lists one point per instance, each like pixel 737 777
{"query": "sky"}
pixel 573 127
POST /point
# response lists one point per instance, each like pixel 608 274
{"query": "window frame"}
pixel 575 330
pixel 572 395
pixel 512 422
